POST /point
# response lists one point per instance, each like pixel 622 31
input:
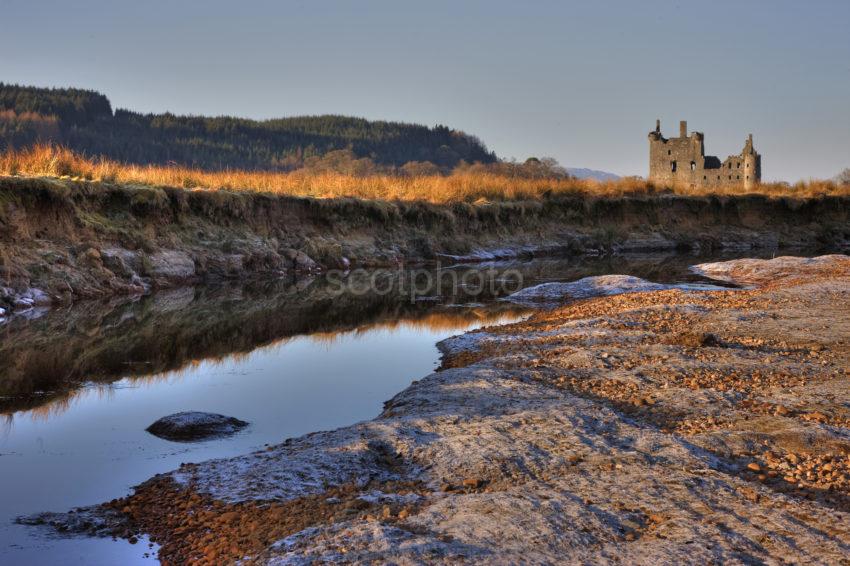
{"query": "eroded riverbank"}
pixel 64 240
pixel 667 425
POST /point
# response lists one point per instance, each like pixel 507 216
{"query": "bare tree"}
pixel 843 178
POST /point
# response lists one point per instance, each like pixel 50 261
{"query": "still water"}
pixel 78 386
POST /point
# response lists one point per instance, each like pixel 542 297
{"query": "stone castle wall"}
pixel 682 162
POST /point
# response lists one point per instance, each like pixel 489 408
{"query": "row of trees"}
pixel 71 106
pixel 84 121
pixel 346 161
pixel 531 168
pixel 26 128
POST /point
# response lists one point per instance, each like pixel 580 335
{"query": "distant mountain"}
pixel 583 173
pixel 84 120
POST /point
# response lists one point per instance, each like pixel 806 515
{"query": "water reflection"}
pixel 44 362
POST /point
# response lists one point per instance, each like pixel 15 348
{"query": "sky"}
pixel 579 81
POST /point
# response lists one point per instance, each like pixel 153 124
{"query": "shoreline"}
pixel 63 240
pixel 686 426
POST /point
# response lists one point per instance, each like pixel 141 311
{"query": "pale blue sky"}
pixel 582 82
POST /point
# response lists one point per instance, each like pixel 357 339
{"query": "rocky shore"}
pixel 668 425
pixel 62 240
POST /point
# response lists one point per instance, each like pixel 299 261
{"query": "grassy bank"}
pixel 463 185
pixel 87 238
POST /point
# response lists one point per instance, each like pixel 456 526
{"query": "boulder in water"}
pixel 191 426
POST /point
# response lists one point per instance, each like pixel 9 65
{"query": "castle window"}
pixel 737 166
pixel 730 177
pixel 693 166
pixel 669 152
pixel 705 177
pixel 738 177
pixel 718 177
pixel 748 165
pixel 730 165
pixel 748 177
pixel 673 166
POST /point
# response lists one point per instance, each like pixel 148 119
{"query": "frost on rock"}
pixel 490 255
pixel 468 342
pixel 381 497
pixel 381 541
pixel 37 297
pixel 549 294
pixel 298 467
pixel 760 271
pixel 31 303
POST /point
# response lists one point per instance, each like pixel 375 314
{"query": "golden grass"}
pixel 49 160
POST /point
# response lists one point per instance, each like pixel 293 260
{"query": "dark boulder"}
pixel 192 426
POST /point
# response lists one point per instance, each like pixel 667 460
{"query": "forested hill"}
pixel 84 120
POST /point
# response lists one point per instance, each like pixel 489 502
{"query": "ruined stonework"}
pixel 682 162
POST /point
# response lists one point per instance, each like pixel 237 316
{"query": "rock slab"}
pixel 553 294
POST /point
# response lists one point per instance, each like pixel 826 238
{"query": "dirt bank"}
pixel 61 239
pixel 662 426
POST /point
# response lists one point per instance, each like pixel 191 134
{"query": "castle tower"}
pixel 752 164
pixel 675 161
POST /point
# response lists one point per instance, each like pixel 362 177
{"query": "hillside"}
pixel 84 120
pixel 584 173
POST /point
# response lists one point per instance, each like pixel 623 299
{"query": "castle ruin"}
pixel 682 162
